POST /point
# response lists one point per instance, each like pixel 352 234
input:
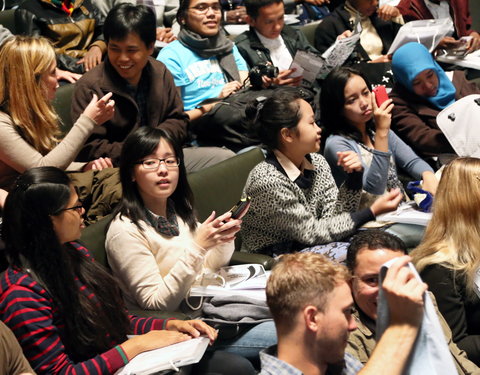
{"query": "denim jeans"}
pixel 249 343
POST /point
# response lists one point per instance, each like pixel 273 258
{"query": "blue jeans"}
pixel 249 343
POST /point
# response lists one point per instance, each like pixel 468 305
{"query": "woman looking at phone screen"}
pixel 155 246
pixel 357 125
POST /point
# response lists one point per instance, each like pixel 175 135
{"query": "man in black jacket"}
pixel 269 40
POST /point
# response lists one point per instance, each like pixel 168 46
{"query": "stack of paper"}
pixel 168 358
pixel 407 213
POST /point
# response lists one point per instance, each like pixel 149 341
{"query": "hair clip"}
pixel 260 102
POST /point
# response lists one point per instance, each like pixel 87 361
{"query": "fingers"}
pixel 106 97
pixel 210 218
pixel 102 163
pixel 350 161
pixel 386 106
pixel 205 329
pixel 94 99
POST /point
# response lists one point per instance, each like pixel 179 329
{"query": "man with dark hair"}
pixel 205 64
pixel 310 301
pixel 367 252
pixel 269 40
pixel 143 90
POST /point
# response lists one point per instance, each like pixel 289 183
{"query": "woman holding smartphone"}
pixel 295 204
pixel 358 126
pixel 155 246
pixel 65 309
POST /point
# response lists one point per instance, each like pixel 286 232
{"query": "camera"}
pixel 260 70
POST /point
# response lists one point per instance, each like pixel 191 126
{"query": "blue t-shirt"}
pixel 199 78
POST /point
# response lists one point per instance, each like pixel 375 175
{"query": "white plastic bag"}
pixel 427 32
pixel 460 122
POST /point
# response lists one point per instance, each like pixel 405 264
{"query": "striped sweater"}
pixel 29 311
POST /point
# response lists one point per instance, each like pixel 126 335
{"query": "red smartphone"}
pixel 380 94
pixel 239 208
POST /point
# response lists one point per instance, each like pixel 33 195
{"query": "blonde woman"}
pixel 29 126
pixel 449 256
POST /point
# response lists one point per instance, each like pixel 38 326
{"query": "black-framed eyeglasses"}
pixel 204 7
pixel 170 162
pixel 78 208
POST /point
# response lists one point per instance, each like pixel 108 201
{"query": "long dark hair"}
pixel 332 102
pixel 141 143
pixel 268 116
pixel 32 245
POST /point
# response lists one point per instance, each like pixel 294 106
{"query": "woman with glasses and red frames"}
pixel 155 246
pixel 65 309
pixel 204 63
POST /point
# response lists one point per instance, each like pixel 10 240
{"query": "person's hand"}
pixel 193 328
pixel 65 75
pixel 215 231
pixel 387 202
pixel 98 164
pixel 92 58
pixel 230 88
pixel 382 115
pixel 448 42
pixel 349 161
pixel 404 294
pixel 430 182
pixel 100 110
pixel 3 196
pixel 387 12
pixel 474 43
pixel 381 59
pixel 317 2
pixel 283 79
pixel 165 34
pixel 237 15
pixel 152 340
pixel 345 34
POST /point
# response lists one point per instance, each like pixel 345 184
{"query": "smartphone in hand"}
pixel 240 208
pixel 380 94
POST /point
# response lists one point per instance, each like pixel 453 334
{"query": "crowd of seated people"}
pixel 133 113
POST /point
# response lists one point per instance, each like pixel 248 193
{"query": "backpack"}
pixel 226 124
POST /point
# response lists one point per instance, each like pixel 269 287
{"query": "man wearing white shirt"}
pixel 457 10
pixel 269 40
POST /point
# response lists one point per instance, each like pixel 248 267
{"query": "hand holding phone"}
pixel 240 208
pixel 380 94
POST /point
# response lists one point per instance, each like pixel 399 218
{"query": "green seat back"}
pixel 7 20
pixel 219 187
pixel 62 104
pixel 309 31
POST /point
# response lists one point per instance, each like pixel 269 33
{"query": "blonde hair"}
pixel 301 279
pixel 452 238
pixel 23 61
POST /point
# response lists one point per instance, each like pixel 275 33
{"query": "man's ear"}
pixel 312 317
pixel 250 20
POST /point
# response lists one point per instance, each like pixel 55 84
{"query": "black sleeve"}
pixel 451 301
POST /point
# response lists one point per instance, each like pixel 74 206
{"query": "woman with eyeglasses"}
pixel 155 246
pixel 30 133
pixel 204 63
pixel 65 309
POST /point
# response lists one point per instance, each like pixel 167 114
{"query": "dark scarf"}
pixel 218 46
